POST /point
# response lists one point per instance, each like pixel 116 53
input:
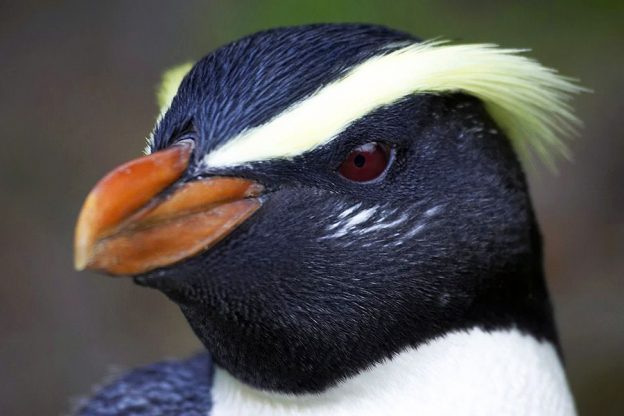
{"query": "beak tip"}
pixel 82 245
pixel 80 261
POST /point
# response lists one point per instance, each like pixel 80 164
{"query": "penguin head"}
pixel 318 198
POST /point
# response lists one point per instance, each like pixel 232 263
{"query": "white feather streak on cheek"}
pixel 349 210
pixel 410 234
pixel 342 215
pixel 428 215
pixel 383 225
pixel 433 211
pixel 351 222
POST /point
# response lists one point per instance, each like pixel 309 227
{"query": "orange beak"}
pixel 129 226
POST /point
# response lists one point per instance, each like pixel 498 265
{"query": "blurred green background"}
pixel 77 82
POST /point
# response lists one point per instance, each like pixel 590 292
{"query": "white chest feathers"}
pixel 501 373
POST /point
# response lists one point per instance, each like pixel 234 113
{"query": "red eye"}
pixel 365 162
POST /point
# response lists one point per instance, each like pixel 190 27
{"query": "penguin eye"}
pixel 365 162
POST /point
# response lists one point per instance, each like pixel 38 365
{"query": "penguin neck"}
pixel 470 371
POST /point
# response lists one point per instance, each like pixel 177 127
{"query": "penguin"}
pixel 341 213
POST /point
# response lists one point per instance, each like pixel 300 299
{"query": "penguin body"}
pixel 341 216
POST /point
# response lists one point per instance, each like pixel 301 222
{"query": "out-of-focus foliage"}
pixel 77 98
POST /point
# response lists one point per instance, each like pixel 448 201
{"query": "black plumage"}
pixel 292 313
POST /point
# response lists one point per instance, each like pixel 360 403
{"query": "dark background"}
pixel 77 82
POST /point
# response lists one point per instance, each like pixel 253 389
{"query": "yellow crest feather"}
pixel 529 101
pixel 169 84
pixel 166 90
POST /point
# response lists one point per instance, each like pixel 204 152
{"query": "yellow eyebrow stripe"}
pixel 529 101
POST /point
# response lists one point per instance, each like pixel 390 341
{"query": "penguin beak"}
pixel 138 218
